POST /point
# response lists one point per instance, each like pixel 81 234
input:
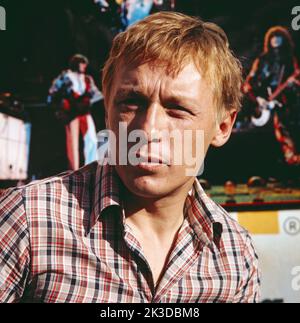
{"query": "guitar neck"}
pixel 283 86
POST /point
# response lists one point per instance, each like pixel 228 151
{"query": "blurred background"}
pixel 41 36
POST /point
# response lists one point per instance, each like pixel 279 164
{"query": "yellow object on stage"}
pixel 260 222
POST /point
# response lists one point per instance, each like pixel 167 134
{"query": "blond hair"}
pixel 174 39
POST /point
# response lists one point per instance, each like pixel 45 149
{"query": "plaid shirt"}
pixel 65 239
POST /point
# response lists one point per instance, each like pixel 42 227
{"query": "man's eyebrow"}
pixel 179 99
pixel 175 99
pixel 130 92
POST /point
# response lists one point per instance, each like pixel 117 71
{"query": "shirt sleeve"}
pixel 61 86
pixel 55 87
pixel 96 94
pixel 14 247
pixel 249 291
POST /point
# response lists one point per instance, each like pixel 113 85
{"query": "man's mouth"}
pixel 152 160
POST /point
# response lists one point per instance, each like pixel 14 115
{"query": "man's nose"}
pixel 153 120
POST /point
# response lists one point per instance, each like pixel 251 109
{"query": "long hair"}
pixel 287 49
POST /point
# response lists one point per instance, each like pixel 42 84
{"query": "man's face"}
pixel 149 99
pixel 276 41
pixel 82 67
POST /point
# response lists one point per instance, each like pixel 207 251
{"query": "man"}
pixel 144 232
pixel 72 94
pixel 276 70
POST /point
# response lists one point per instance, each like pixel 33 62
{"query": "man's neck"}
pixel 159 217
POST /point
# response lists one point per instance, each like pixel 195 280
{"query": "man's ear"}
pixel 224 128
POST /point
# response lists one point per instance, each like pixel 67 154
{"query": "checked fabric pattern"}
pixel 64 239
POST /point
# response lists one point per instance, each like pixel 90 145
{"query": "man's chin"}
pixel 148 186
pixel 156 184
pixel 151 188
pixel 144 185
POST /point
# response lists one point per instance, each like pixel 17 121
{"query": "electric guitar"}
pixel 263 113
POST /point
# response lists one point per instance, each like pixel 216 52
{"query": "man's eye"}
pixel 177 110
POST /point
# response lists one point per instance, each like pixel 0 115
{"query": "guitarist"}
pixel 273 71
pixel 72 94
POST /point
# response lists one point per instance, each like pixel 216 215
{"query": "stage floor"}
pixel 243 197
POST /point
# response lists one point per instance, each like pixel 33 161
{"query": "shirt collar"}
pixel 203 215
pixel 201 211
pixel 106 191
